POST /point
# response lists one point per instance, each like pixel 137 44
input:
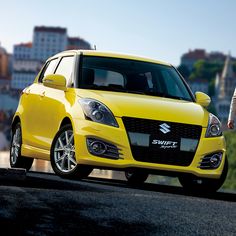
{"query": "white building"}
pixel 22 51
pixel 27 65
pixel 28 58
pixel 48 41
pixel 25 68
pixel 22 79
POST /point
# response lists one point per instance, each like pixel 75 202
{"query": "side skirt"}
pixel 34 152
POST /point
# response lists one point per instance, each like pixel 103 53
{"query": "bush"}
pixel 230 182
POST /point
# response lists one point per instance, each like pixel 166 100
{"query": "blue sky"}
pixel 162 30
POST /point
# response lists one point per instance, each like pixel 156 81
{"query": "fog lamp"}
pixel 98 148
pixel 215 160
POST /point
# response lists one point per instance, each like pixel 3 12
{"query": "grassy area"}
pixel 230 182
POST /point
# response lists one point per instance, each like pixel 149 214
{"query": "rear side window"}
pixel 48 69
pixel 65 68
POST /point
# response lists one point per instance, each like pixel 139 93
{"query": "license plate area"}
pixel 164 144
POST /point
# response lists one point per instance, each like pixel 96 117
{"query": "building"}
pixel 77 43
pixel 22 51
pixel 5 69
pixel 217 57
pixel 48 41
pixel 4 64
pixel 25 68
pixel 188 59
pixel 24 73
pixel 225 84
pixel 28 58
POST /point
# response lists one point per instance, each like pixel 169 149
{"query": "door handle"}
pixel 42 94
pixel 27 92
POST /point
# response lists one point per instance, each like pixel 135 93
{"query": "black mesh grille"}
pixel 155 155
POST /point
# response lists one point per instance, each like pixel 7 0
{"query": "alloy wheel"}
pixel 16 145
pixel 64 152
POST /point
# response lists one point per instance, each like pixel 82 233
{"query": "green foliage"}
pixel 230 182
pixel 206 70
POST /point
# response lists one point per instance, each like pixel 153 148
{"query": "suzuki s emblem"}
pixel 164 128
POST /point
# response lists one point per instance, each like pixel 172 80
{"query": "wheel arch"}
pixel 16 120
pixel 66 121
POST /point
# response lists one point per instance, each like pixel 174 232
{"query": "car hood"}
pixel 149 107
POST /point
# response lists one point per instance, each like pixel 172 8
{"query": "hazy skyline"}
pixel 162 30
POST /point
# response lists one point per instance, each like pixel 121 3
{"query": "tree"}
pixel 203 69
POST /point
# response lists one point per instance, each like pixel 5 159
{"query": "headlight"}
pixel 97 112
pixel 214 127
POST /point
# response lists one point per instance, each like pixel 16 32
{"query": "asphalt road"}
pixel 44 204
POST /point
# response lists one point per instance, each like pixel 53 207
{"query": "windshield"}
pixel 130 76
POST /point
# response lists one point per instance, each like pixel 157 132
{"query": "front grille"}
pixel 152 153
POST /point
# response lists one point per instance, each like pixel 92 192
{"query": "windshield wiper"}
pixel 176 97
pixel 122 90
pixel 165 95
pixel 136 92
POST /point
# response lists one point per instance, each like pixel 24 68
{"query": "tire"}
pixel 16 159
pixel 136 177
pixel 204 185
pixel 62 156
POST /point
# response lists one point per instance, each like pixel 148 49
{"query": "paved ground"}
pixel 44 204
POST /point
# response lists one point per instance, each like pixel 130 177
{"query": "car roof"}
pixel 109 54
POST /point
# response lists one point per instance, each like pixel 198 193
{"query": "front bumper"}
pixel 84 129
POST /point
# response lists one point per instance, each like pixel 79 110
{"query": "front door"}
pixel 53 103
pixel 31 109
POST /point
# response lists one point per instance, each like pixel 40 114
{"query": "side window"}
pixel 65 68
pixel 48 69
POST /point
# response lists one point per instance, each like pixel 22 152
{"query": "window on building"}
pixel 65 68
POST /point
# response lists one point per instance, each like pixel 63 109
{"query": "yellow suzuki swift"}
pixel 90 109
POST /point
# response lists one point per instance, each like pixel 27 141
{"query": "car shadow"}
pixel 220 195
pixel 42 180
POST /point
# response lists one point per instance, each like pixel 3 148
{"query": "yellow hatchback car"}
pixel 90 109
